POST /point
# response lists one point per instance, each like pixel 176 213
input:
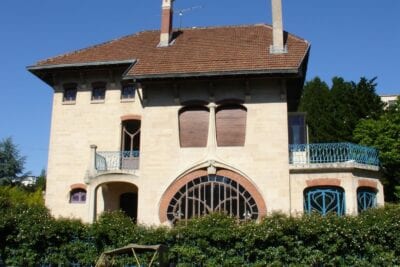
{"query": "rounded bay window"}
pixel 198 195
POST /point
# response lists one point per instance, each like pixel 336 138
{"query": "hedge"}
pixel 29 236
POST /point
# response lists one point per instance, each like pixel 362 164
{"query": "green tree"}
pixel 333 113
pixel 383 133
pixel 11 162
pixel 316 102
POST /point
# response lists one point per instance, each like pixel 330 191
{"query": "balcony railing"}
pixel 114 161
pixel 332 153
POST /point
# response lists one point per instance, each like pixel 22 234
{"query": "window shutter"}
pixel 193 126
pixel 231 125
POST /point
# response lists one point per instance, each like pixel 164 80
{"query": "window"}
pixel 193 126
pixel 78 196
pixel 70 93
pixel 130 144
pixel 297 128
pixel 231 125
pixel 98 91
pixel 128 91
pixel 324 200
pixel 366 198
pixel 212 193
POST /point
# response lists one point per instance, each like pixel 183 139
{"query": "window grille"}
pixel 366 198
pixel 324 200
pixel 78 196
pixel 212 193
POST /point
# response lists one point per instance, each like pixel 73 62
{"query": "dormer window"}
pixel 69 95
pixel 128 91
pixel 98 92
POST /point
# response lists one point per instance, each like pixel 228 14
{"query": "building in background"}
pixel 174 124
pixel 389 100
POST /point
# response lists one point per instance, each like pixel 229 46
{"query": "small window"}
pixel 193 126
pixel 77 196
pixel 69 93
pixel 98 91
pixel 366 198
pixel 128 91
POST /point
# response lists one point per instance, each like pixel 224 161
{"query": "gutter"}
pixel 83 64
pixel 211 74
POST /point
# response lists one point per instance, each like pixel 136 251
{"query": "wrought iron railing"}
pixel 122 160
pixel 332 153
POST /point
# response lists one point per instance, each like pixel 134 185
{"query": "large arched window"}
pixel 231 125
pixel 212 193
pixel 324 200
pixel 366 198
pixel 193 126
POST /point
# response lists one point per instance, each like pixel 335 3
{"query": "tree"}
pixel 383 133
pixel 316 102
pixel 333 113
pixel 11 162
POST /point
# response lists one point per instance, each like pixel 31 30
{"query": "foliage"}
pixel 333 113
pixel 383 133
pixel 30 236
pixel 11 162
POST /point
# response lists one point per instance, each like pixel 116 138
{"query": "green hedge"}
pixel 30 236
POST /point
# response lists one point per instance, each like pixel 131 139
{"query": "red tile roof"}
pixel 195 51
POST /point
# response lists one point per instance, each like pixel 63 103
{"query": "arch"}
pixel 78 186
pixel 223 178
pixel 323 182
pixel 324 199
pixel 131 117
pixel 368 183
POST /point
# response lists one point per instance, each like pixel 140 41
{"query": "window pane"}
pixel 366 198
pixel 297 129
pixel 69 94
pixel 128 91
pixel 98 93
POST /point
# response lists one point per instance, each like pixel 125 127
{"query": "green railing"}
pixel 332 153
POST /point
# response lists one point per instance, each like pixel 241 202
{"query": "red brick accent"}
pixel 78 186
pixel 131 117
pixel 323 182
pixel 367 183
pixel 175 186
pixel 166 21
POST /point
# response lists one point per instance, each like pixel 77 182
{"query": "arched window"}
pixel 231 125
pixel 324 200
pixel 77 195
pixel 212 193
pixel 366 198
pixel 193 126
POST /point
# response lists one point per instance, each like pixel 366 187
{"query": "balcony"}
pixel 333 155
pixel 116 161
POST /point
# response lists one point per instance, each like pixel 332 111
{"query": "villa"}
pixel 171 124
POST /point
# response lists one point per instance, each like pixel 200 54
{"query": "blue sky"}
pixel 349 38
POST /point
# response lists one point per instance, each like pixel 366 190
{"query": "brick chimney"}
pixel 278 46
pixel 166 23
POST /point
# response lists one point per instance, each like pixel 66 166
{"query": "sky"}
pixel 349 38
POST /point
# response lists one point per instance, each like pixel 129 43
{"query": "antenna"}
pixel 181 12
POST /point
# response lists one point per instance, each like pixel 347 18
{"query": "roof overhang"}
pixel 82 64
